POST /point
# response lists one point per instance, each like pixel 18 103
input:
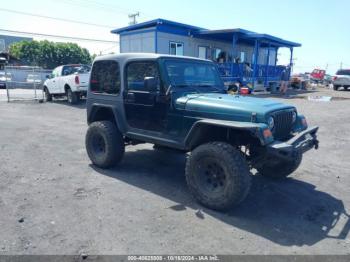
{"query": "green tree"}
pixel 50 54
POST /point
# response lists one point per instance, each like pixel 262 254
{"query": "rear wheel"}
pixel 72 97
pixel 104 144
pixel 217 175
pixel 335 87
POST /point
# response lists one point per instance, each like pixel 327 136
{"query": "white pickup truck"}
pixel 342 79
pixel 67 80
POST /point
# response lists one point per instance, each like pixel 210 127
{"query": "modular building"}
pixel 241 55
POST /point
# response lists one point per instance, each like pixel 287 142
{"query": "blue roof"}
pixel 153 23
pixel 245 35
pixel 223 34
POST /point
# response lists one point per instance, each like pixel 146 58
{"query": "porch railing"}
pixel 245 73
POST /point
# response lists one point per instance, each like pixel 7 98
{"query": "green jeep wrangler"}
pixel 181 103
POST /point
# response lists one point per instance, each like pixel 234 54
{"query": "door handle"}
pixel 130 97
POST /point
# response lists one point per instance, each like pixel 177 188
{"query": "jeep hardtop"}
pixel 181 103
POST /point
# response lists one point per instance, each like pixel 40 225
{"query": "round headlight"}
pixel 271 122
pixel 294 116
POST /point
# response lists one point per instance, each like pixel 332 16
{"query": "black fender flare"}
pixel 94 108
pixel 255 129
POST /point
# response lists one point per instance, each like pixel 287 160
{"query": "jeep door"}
pixel 145 108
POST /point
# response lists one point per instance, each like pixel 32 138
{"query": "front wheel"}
pixel 217 175
pixel 47 95
pixel 280 168
pixel 104 144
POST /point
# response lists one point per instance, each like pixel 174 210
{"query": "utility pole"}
pixel 133 18
pixel 341 65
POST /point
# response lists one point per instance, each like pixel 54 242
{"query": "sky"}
pixel 322 27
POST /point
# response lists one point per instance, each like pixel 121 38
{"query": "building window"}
pixel 242 57
pixel 203 52
pixel 218 55
pixel 105 77
pixel 176 48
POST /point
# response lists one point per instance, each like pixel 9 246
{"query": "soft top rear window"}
pixel 105 77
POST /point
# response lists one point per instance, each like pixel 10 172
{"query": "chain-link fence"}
pixel 22 83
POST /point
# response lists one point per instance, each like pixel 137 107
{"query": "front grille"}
pixel 283 124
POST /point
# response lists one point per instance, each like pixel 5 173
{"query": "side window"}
pixel 105 78
pixel 55 72
pixel 176 48
pixel 136 73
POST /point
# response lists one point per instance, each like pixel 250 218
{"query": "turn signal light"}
pixel 304 122
pixel 267 133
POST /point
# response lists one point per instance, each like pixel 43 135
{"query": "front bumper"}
pixel 302 142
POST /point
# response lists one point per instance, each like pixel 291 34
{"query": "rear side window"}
pixel 105 78
pixel 343 72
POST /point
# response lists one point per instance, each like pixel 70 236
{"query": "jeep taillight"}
pixel 77 80
pixel 335 78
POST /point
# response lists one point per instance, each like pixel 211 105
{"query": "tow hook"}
pixel 316 144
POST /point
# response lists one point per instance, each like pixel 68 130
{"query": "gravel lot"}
pixel 52 201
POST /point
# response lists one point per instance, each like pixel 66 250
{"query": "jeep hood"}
pixel 236 106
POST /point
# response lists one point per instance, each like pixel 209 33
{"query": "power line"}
pixel 88 3
pixel 89 6
pixel 107 7
pixel 54 18
pixel 59 36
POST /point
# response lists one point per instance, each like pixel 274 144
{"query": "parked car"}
pixel 181 103
pixel 67 80
pixel 33 79
pixel 317 76
pixel 299 81
pixel 4 77
pixel 327 80
pixel 341 79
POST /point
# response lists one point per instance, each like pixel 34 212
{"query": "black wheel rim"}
pixel 211 178
pixel 98 145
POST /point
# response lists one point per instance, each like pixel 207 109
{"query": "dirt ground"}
pixel 53 201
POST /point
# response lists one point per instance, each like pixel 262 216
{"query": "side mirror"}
pixel 151 84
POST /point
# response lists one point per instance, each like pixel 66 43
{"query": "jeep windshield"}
pixel 198 75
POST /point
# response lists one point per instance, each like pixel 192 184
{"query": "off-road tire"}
pixel 281 169
pixel 234 169
pixel 104 144
pixel 47 95
pixel 72 97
